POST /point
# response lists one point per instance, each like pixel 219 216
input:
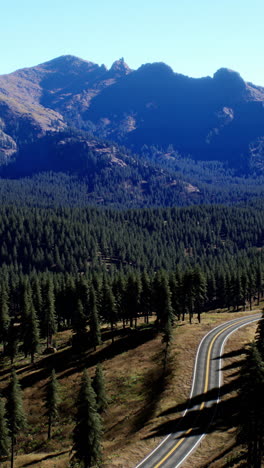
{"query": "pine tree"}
pixel 199 291
pixel 260 336
pixel 119 286
pixel 15 412
pixel 52 401
pixel 251 431
pixel 30 326
pixel 95 329
pixel 50 322
pixel 99 388
pixel 4 317
pixel 145 296
pixel 87 431
pixel 161 298
pixel 82 292
pixel 12 341
pixel 167 322
pixel 79 319
pixel 37 296
pixel 107 306
pixel 258 282
pixel 4 435
pixel 79 339
pixel 132 295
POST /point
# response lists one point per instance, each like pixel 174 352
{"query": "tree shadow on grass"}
pixel 67 363
pixel 230 459
pixel 235 353
pixel 154 385
pixel 46 457
pixel 204 414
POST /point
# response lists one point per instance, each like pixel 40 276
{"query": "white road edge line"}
pixel 194 373
pixel 219 384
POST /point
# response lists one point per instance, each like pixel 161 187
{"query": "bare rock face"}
pixel 119 68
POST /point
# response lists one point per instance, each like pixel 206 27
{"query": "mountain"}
pixel 211 118
pixel 111 174
pixel 208 118
pixel 49 96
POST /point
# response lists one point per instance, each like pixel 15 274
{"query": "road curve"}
pixel 204 396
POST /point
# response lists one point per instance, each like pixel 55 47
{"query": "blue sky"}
pixel 194 37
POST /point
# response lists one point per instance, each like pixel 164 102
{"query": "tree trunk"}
pixel 199 316
pixel 165 358
pixel 190 316
pixel 12 450
pixel 112 332
pixel 49 428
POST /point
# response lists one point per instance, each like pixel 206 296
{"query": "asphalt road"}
pixel 207 377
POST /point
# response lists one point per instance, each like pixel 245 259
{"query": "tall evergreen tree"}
pixel 145 296
pixel 99 388
pixel 4 317
pixel 199 291
pixel 4 434
pixel 94 322
pixel 50 321
pixel 15 412
pixel 107 306
pixel 258 282
pixel 161 298
pixel 87 431
pixel 52 401
pixel 132 294
pixel 251 432
pixel 79 339
pixel 167 322
pixel 119 286
pixel 12 341
pixel 37 296
pixel 260 336
pixel 79 319
pixel 30 326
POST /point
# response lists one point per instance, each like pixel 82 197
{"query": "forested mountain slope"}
pixel 83 239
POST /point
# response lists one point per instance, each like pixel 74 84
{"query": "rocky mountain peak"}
pixel 120 68
pixel 225 76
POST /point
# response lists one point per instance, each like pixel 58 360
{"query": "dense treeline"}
pixel 38 305
pixel 74 267
pixel 79 240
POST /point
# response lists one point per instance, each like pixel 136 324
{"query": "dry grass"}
pixel 140 400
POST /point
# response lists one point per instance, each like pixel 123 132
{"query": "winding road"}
pixel 205 394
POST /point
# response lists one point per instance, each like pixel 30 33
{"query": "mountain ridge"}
pixel 209 118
